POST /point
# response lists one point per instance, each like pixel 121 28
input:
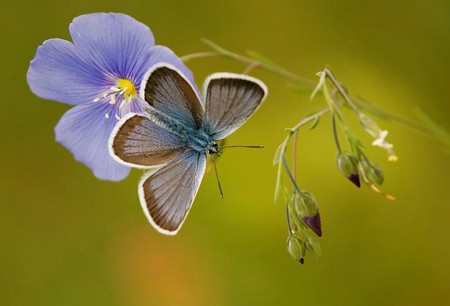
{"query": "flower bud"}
pixel 372 172
pixel 313 245
pixel 346 164
pixel 307 209
pixel 309 203
pixel 295 248
pixel 376 174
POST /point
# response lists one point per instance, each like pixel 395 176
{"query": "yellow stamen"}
pixel 392 158
pixel 127 87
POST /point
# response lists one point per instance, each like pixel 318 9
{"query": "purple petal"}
pixel 354 178
pixel 161 54
pixel 314 223
pixel 58 73
pixel 116 43
pixel 85 131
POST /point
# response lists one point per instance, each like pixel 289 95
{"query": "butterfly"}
pixel 176 132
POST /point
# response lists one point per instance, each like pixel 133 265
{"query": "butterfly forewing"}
pixel 137 141
pixel 166 89
pixel 230 100
pixel 166 196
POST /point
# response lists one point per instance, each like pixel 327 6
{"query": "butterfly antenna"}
pixel 217 176
pixel 239 146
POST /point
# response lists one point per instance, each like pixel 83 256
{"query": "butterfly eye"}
pixel 214 149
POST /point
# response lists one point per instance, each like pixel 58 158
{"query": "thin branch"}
pixel 288 218
pixel 250 67
pixel 188 57
pixel 354 104
pixel 294 155
pixel 336 139
pixel 341 90
pixel 308 119
pixel 333 121
pixel 276 69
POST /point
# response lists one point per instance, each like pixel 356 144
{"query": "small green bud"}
pixel 310 203
pixel 376 174
pixel 313 245
pixel 295 248
pixel 372 172
pixel 307 209
pixel 346 164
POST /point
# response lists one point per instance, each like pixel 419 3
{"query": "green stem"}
pixel 188 57
pixel 354 103
pixel 336 139
pixel 276 69
pixel 308 119
pixel 341 90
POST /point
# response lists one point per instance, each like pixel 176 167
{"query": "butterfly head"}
pixel 213 148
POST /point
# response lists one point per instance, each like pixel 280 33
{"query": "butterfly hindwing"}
pixel 137 141
pixel 166 195
pixel 230 100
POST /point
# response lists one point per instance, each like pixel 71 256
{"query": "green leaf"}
pixel 437 131
pixel 315 123
pixel 279 181
pixel 278 154
pixel 319 85
pixel 216 47
pixel 278 160
pixel 300 90
pixel 261 58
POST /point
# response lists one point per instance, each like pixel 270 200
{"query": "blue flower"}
pixel 99 73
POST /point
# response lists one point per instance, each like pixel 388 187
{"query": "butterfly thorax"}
pixel 197 138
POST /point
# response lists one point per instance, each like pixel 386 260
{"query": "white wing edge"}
pixel 229 75
pixel 160 65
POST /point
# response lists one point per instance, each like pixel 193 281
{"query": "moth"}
pixel 176 132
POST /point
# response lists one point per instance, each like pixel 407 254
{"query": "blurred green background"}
pixel 70 239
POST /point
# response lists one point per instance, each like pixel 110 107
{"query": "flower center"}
pixel 121 95
pixel 126 88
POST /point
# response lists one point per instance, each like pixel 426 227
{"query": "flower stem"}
pixel 336 139
pixel 276 69
pixel 308 119
pixel 354 103
pixel 250 67
pixel 188 57
pixel 341 90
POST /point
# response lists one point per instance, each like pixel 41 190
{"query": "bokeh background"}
pixel 70 239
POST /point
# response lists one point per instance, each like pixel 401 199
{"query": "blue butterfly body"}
pixel 196 138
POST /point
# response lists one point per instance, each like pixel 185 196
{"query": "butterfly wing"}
pixel 230 100
pixel 169 91
pixel 166 195
pixel 136 141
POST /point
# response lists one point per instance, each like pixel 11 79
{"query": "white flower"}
pixel 381 142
